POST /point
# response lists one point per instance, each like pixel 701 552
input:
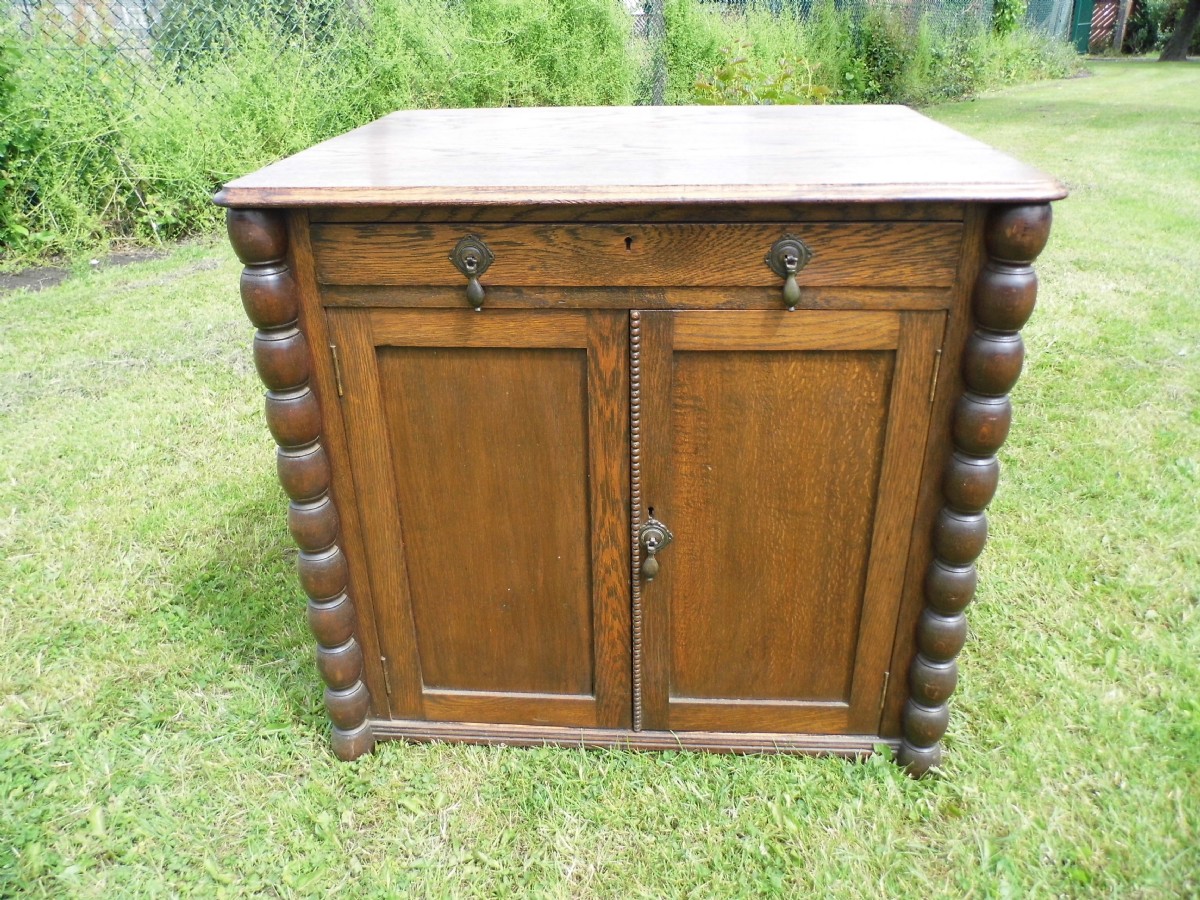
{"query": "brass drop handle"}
pixel 653 536
pixel 788 256
pixel 472 257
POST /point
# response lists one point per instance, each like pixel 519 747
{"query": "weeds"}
pixel 231 88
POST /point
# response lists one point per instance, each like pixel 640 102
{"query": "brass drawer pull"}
pixel 653 536
pixel 787 257
pixel 472 257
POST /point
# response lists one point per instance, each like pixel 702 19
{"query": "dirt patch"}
pixel 41 277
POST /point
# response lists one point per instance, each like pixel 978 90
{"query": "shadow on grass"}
pixel 244 588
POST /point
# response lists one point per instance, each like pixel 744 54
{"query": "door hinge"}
pixel 337 369
pixel 387 682
pixel 887 676
pixel 937 366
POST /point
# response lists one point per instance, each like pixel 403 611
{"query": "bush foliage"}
pixel 1151 24
pixel 232 87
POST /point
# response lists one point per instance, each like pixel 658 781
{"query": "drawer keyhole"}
pixel 628 243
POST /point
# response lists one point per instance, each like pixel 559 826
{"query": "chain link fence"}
pixel 118 118
pixel 144 37
pixel 1051 16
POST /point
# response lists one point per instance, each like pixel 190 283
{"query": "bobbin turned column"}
pixel 1003 300
pixel 294 417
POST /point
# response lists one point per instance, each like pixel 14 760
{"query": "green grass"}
pixel 161 730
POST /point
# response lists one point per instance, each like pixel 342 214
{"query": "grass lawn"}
pixel 161 727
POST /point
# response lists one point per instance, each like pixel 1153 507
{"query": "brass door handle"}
pixel 787 257
pixel 653 536
pixel 472 257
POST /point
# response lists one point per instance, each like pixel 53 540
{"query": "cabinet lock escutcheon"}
pixel 788 256
pixel 653 536
pixel 472 257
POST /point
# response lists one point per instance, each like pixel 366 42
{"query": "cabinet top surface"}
pixel 699 154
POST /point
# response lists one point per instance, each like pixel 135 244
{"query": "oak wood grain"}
pixel 368 451
pixel 776 459
pixel 495 446
pixel 899 479
pixel 467 328
pixel 692 212
pixel 665 155
pixel 540 297
pixel 499 707
pixel 608 485
pixel 785 716
pixel 874 254
pixel 490 454
pixel 937 448
pixel 657 463
pixel 791 469
pixel 313 322
pixel 755 330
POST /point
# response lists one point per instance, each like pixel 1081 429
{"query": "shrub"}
pixel 883 44
pixel 736 82
pixel 1008 15
pixel 96 146
pixel 1170 12
pixel 694 43
pixel 876 56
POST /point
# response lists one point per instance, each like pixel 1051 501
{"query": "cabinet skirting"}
pixel 849 745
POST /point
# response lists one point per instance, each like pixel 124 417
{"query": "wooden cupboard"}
pixel 610 435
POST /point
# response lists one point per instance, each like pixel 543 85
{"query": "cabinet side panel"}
pixel 489 450
pixel 380 530
pixel 313 322
pixel 947 389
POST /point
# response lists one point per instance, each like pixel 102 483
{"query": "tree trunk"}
pixel 1177 47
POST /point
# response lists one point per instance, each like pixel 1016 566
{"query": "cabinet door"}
pixel 783 450
pixel 489 453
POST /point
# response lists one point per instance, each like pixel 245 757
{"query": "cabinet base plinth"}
pixel 852 746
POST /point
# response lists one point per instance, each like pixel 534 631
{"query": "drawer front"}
pixel 844 254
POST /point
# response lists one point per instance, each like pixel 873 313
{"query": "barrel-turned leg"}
pixel 1003 300
pixel 294 417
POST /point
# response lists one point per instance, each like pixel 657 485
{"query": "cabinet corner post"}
pixel 1002 301
pixel 281 356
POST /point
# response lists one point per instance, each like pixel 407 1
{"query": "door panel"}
pixel 777 507
pixel 785 474
pixel 494 507
pixel 489 453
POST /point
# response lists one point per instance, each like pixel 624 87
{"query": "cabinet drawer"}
pixel 845 254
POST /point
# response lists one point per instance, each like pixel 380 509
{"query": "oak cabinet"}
pixel 610 435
